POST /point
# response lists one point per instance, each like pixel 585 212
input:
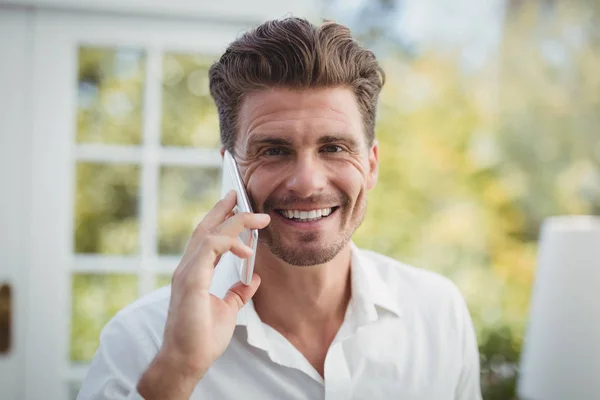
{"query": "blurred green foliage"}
pixel 471 163
pixel 96 299
pixel 162 280
pixel 189 115
pixel 111 91
pixel 185 194
pixel 106 208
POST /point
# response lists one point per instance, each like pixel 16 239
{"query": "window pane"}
pixel 106 208
pixel 110 95
pixel 162 280
pixel 96 299
pixel 186 193
pixel 189 116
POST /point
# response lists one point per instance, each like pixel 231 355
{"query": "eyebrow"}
pixel 278 141
pixel 272 140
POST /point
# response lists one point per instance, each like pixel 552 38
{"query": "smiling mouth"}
pixel 307 215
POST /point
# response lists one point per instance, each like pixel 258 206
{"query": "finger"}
pixel 241 250
pixel 238 248
pixel 199 268
pixel 214 246
pixel 239 294
pixel 236 224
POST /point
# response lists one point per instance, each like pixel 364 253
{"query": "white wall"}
pixel 253 11
pixel 15 94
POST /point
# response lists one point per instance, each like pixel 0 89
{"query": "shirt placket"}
pixel 338 382
pixel 338 379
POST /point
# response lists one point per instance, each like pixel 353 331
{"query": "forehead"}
pixel 299 112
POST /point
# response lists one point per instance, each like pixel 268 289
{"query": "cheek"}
pixel 256 180
pixel 262 183
pixel 350 178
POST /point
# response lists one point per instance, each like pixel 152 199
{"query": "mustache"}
pixel 291 200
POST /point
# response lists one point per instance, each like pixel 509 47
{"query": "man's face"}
pixel 305 161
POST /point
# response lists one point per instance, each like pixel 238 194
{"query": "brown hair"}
pixel 293 53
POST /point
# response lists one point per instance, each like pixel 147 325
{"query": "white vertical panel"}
pixel 54 82
pixel 150 167
pixel 15 70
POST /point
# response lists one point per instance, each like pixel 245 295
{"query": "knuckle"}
pixel 215 243
pixel 200 230
pixel 222 202
pixel 210 241
pixel 238 299
pixel 213 231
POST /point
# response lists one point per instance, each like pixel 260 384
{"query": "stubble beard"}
pixel 307 251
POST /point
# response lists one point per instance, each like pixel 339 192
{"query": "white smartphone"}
pixel 232 180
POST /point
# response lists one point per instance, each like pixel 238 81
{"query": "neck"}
pixel 317 296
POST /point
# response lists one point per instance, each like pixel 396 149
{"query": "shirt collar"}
pixel 256 335
pixel 369 291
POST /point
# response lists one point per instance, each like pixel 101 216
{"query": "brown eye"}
pixel 334 148
pixel 275 151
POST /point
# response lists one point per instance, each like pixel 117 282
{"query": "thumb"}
pixel 239 294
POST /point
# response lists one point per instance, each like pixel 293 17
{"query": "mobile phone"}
pixel 232 180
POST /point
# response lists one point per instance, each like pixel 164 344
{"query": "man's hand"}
pixel 200 325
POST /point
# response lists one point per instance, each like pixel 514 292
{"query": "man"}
pixel 322 318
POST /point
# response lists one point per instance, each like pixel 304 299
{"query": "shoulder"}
pixel 417 291
pixel 143 320
pixel 129 341
pixel 410 278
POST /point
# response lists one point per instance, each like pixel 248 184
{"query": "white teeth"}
pixel 306 216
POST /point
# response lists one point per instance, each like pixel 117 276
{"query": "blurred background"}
pixel 489 122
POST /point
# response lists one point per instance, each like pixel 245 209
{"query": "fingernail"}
pixel 231 193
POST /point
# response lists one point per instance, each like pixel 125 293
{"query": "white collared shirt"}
pixel 407 334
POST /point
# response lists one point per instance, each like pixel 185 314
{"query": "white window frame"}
pixel 15 98
pixel 57 36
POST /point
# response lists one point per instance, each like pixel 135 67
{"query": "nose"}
pixel 307 177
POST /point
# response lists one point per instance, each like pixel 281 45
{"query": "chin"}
pixel 307 253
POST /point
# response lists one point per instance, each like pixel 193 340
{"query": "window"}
pixel 126 161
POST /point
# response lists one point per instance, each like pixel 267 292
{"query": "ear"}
pixel 373 172
pixel 222 151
